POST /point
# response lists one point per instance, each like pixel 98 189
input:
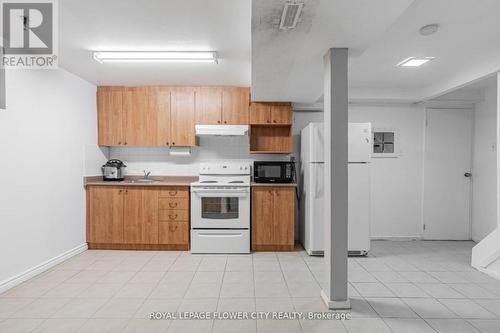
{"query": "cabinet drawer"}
pixel 173 232
pixel 174 192
pixel 170 215
pixel 173 203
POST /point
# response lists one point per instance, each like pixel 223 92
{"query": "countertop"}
pixel 164 181
pixel 274 184
pixel 161 181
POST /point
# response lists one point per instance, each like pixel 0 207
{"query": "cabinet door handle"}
pixel 274 121
pixel 225 122
pixel 172 204
pixel 172 193
pixel 268 121
pixel 173 143
pixel 125 143
pixel 218 121
pixel 172 228
pixel 119 142
pixel 120 191
pixel 172 217
pixel 167 143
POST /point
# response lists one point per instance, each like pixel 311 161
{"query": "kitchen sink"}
pixel 143 181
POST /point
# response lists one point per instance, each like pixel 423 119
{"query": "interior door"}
pixel 447 162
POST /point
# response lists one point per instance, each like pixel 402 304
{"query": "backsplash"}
pixel 211 148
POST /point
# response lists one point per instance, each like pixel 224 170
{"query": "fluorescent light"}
pixel 156 56
pixel 415 62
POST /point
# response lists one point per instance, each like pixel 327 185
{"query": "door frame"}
pixel 472 123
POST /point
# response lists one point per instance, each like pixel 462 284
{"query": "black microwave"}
pixel 273 172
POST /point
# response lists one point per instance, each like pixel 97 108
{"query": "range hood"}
pixel 221 129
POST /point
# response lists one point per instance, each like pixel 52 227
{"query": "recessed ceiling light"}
pixel 156 56
pixel 414 61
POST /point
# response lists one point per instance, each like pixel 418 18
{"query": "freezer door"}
pixel 360 142
pixel 359 208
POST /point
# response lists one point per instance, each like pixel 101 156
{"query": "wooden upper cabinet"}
pixel 105 219
pixel 235 105
pixel 141 216
pixel 208 105
pixel 165 116
pixel 182 113
pixel 140 128
pixel 159 101
pixel 260 113
pixel 110 119
pixel 281 113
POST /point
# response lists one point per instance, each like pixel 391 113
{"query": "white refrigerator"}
pixel 312 198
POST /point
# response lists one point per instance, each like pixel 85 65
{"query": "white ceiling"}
pixel 288 65
pixel 220 25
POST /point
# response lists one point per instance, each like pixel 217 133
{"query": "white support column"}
pixel 336 119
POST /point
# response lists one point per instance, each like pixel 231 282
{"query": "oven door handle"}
pixel 222 194
pixel 218 235
pixel 218 191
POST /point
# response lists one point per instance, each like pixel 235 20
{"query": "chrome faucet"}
pixel 146 174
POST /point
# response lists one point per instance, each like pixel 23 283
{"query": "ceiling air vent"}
pixel 291 14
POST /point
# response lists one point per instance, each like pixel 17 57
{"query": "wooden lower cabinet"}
pixel 273 218
pixel 105 214
pixel 140 222
pixel 176 233
pixel 138 217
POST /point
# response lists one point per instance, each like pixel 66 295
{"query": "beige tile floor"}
pixel 401 287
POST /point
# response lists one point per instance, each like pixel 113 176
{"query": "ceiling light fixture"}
pixel 156 56
pixel 291 14
pixel 414 61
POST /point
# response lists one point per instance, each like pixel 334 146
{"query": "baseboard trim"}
pixel 38 269
pixel 397 238
pixel 335 305
pixel 493 274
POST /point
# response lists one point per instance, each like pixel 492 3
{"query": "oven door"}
pixel 227 207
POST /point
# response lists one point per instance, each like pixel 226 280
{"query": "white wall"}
pixel 396 182
pixel 484 166
pixel 49 125
pixel 211 148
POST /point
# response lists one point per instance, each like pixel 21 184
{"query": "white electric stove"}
pixel 220 208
